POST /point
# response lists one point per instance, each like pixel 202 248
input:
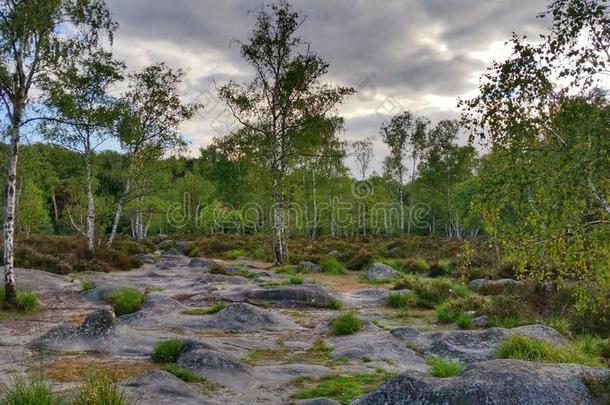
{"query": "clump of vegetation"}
pixel 361 261
pixel 235 254
pixel 336 304
pixel 101 389
pixel 22 392
pixel 87 285
pixel 521 347
pixel 347 323
pixel 25 302
pixel 401 300
pixel 295 280
pixel 464 320
pixel 183 373
pixel 416 265
pixel 343 388
pixel 217 307
pixel 431 293
pixel 126 300
pixel 330 265
pixel 440 268
pixel 168 351
pixel 442 367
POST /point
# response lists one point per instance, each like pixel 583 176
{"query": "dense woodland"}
pixel 532 183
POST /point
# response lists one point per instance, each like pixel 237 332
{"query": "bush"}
pixel 440 268
pixel 521 347
pixel 168 351
pixel 182 373
pixel 418 266
pixel 401 300
pixel 361 261
pixel 35 392
pixel 235 253
pixel 442 367
pixel 331 265
pixel 100 389
pixel 346 324
pixel 440 290
pixel 126 300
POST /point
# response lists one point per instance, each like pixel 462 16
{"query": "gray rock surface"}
pixel 481 321
pixel 317 401
pixel 243 317
pixel 161 387
pixel 199 262
pixel 471 345
pixel 287 296
pixel 309 267
pixel 484 284
pixel 495 382
pixel 379 271
pixel 98 323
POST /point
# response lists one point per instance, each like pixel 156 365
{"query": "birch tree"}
pixel 285 99
pixel 79 96
pixel 35 37
pixel 152 112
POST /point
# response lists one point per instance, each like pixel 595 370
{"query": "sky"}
pixel 416 55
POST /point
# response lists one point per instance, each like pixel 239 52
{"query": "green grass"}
pixel 521 347
pixel 183 373
pixel 25 302
pixel 34 392
pixel 431 293
pixel 126 300
pixel 87 285
pixel 442 367
pixel 343 388
pixel 509 321
pixel 217 307
pixel 401 300
pixel 100 389
pixel 464 321
pixel 336 304
pixel 235 253
pixel 168 351
pixel 295 280
pixel 347 323
pixel 330 265
pixel 416 265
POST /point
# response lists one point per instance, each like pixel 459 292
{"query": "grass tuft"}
pixel 183 373
pixel 336 304
pixel 100 389
pixel 521 347
pixel 125 300
pixel 443 367
pixel 295 280
pixel 26 301
pixel 330 265
pixel 87 285
pixel 401 300
pixel 347 323
pixel 168 351
pixel 34 392
pixel 343 388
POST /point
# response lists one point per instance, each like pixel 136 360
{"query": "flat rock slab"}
pixel 377 347
pixel 495 382
pixel 288 296
pixel 160 387
pixel 472 345
pixel 241 316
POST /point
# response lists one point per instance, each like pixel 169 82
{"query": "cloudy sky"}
pixel 417 55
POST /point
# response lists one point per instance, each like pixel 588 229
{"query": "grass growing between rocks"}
pixel 217 307
pixel 35 392
pixel 401 300
pixel 442 367
pixel 433 292
pixel 168 351
pixel 521 347
pixel 343 388
pixel 318 353
pixel 330 265
pixel 87 285
pixel 101 389
pixel 77 369
pixel 347 323
pixel 183 373
pixel 125 300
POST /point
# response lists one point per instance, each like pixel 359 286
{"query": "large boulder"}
pixel 494 382
pixel 244 317
pixel 379 271
pixel 309 267
pixel 98 323
pixel 289 296
pixel 472 345
pixel 161 387
pixel 199 262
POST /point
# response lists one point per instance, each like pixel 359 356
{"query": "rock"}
pixel 334 253
pixel 482 284
pixel 376 347
pixel 148 259
pixel 221 367
pixel 366 297
pixel 292 296
pixel 157 309
pixel 481 321
pixel 172 253
pixel 494 382
pixel 98 323
pixel 379 271
pixel 472 345
pixel 242 317
pixel 161 387
pixel 183 245
pixel 317 401
pixel 167 265
pixel 201 263
pixel 309 267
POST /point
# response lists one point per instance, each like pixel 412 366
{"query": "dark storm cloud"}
pixel 400 54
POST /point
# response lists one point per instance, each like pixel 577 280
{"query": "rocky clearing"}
pixel 271 341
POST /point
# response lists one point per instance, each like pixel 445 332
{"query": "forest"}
pixel 99 176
